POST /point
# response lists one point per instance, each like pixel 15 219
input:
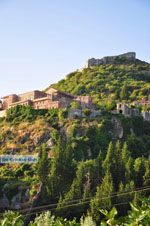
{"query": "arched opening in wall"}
pixel 120 111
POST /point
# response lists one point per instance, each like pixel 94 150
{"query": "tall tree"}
pixel 139 169
pixel 102 199
pixel 109 162
pixel 43 163
pixel 62 169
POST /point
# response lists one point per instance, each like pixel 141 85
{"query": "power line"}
pixel 85 202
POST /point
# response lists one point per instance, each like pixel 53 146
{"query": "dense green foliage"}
pixel 20 113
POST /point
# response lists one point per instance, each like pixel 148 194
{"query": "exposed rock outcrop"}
pixel 4 203
pixel 43 139
pixel 118 129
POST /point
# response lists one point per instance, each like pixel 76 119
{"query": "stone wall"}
pixel 108 59
pixel 45 103
pixel 23 103
pixel 124 109
pixel 85 101
pixel 77 112
pixel 146 115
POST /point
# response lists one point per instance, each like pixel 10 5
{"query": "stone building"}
pixel 52 98
pixel 22 99
pixel 135 112
pixel 108 59
pixel 146 115
pixel 123 108
pixel 85 101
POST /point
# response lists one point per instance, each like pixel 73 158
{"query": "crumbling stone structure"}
pixel 109 59
pixel 123 108
pixel 146 115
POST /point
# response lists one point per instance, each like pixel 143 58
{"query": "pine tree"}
pixel 108 163
pixel 102 199
pixel 139 169
pixel 62 170
pixel 43 163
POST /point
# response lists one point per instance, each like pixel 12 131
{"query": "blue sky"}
pixel 43 40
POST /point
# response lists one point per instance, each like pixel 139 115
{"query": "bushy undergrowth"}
pixel 20 113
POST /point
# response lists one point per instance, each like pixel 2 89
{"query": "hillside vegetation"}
pixel 85 163
pixel 124 80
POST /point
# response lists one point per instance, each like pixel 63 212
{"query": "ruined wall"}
pixel 77 112
pixel 146 115
pixel 108 59
pixel 85 101
pixel 123 108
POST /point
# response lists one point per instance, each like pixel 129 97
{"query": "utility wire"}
pixel 85 202
pixel 88 198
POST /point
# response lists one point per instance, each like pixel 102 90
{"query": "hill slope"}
pixel 80 158
pixel 122 80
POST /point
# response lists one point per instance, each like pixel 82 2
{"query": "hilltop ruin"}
pixel 109 59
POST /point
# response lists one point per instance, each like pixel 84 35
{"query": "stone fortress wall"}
pixel 108 59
